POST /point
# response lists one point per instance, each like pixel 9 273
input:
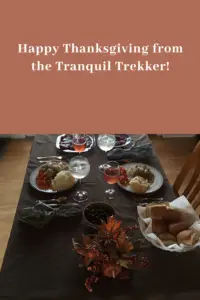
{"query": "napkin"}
pixel 42 213
pixel 182 204
pixel 136 153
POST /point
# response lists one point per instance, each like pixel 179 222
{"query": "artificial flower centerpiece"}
pixel 109 252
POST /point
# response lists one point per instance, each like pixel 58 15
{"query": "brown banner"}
pixel 150 84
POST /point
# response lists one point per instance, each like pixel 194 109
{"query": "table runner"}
pixel 40 264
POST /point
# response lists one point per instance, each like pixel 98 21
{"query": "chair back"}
pixel 191 186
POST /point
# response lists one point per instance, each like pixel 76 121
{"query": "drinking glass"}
pixel 106 142
pixel 80 167
pixel 79 142
pixel 111 174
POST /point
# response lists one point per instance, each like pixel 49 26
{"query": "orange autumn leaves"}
pixel 111 226
pixel 106 253
pixel 113 230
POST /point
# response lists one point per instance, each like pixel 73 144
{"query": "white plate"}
pixel 73 151
pixel 156 185
pixel 33 177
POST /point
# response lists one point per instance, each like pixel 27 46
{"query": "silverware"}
pixel 49 157
pixel 47 161
pixel 88 182
pixel 57 200
pixel 146 201
pixel 153 199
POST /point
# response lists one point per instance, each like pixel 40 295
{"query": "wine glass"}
pixel 79 167
pixel 111 174
pixel 79 142
pixel 106 142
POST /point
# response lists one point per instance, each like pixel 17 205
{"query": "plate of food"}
pixel 171 226
pixel 122 140
pixel 140 178
pixel 64 142
pixel 52 177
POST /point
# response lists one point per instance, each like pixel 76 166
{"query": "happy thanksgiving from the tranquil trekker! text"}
pixel 102 52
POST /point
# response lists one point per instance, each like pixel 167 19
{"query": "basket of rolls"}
pixel 171 226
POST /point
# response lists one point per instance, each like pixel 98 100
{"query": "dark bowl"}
pixel 95 213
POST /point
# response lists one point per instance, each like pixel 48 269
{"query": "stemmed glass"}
pixel 106 142
pixel 111 174
pixel 79 142
pixel 79 167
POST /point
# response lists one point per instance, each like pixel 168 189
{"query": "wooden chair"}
pixel 192 186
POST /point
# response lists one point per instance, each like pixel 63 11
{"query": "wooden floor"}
pixel 172 153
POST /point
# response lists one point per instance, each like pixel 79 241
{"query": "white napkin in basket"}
pixel 182 204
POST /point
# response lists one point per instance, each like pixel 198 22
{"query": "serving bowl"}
pixel 96 213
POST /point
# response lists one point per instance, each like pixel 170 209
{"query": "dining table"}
pixel 40 264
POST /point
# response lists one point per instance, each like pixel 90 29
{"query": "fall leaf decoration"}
pixel 108 252
pixel 111 226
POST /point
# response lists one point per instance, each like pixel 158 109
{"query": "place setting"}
pixel 134 177
pixel 69 143
pixel 61 173
pixel 57 175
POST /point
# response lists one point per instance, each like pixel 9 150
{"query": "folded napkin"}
pixel 181 204
pixel 43 212
pixel 136 153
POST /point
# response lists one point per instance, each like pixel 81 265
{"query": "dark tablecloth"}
pixel 39 264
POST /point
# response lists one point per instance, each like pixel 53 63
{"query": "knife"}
pixel 49 157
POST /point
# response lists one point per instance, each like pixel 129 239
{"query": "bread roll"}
pixel 188 216
pixel 158 226
pixel 187 237
pixel 169 242
pixel 175 228
pixel 171 216
pixel 139 185
pixel 157 211
pixel 167 238
pixel 164 203
pixel 63 180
